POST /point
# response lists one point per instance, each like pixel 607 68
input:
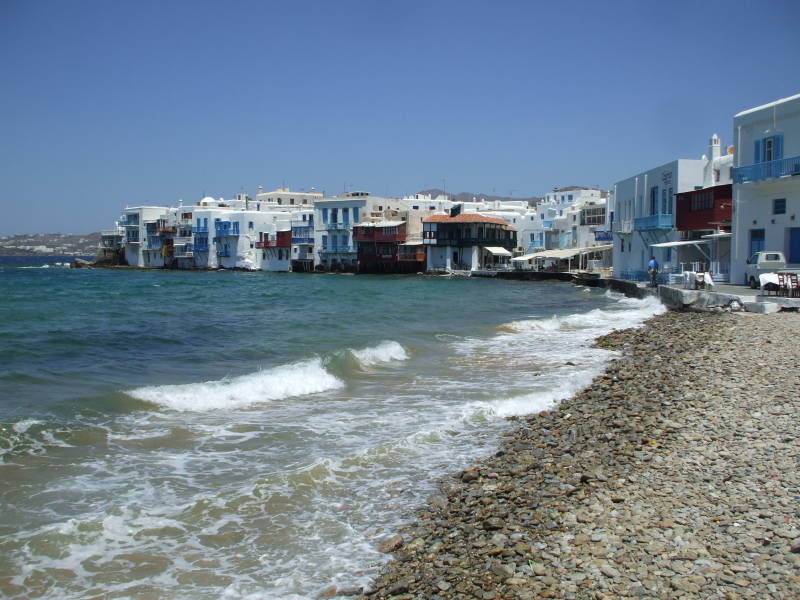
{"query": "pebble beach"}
pixel 675 474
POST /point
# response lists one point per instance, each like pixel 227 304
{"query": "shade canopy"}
pixel 497 250
pixel 680 243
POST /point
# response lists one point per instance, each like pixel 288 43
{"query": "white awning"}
pixel 681 243
pixel 559 254
pixel 497 251
pixel 412 243
pixel 524 257
pixel 602 248
pixel 717 236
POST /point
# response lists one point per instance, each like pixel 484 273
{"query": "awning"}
pixel 602 248
pixel 497 250
pixel 717 236
pixel 680 243
pixel 559 254
pixel 524 257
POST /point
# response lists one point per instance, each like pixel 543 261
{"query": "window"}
pixel 355 214
pixel 258 206
pixel 664 206
pixel 324 242
pixel 779 206
pixel 669 202
pixel 324 215
pixel 702 201
pixel 716 175
pixel 249 224
pixel 768 148
pixel 415 207
pixel 334 215
pixel 654 200
pixel 569 197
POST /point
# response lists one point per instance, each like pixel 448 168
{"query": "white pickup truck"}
pixel 765 262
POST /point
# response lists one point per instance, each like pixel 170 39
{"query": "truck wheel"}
pixel 753 284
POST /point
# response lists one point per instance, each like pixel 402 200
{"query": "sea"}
pixel 168 434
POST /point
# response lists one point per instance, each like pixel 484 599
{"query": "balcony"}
pixel 302 240
pixel 338 250
pixel 184 239
pixel 416 254
pixel 335 226
pixel 226 228
pixel 267 244
pixel 663 221
pixel 299 223
pixel 200 245
pixel 200 229
pixel 184 253
pixel 154 244
pixel 166 229
pixel 602 235
pixel 772 169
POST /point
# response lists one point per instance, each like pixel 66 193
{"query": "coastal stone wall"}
pixel 676 474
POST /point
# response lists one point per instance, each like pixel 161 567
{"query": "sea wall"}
pixel 673 475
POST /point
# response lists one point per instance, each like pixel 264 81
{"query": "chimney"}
pixel 714 148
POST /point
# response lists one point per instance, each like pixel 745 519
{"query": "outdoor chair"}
pixel 783 285
pixel 793 288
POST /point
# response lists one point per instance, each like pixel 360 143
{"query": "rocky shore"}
pixel 676 474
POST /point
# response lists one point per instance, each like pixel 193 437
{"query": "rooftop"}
pixel 464 218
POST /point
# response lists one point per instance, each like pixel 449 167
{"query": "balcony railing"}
pixel 663 221
pixel 335 226
pixel 298 223
pixel 200 229
pixel 184 254
pixel 767 170
pixel 602 235
pixel 199 246
pixel 302 240
pixel 226 228
pixel 167 229
pixel 154 244
pixel 338 250
pixel 267 244
pixel 184 239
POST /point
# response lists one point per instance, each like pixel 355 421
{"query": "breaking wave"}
pixel 286 381
pixel 382 353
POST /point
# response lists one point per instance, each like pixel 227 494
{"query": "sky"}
pixel 111 104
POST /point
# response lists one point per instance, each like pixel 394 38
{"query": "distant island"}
pixel 50 244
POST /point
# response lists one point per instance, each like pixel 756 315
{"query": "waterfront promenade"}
pixel 674 475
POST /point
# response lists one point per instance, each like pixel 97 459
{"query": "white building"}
pixel 766 183
pixel 334 219
pixel 645 213
pixel 134 220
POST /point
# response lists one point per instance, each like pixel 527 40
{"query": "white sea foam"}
pixel 382 353
pixel 296 379
pixel 24 425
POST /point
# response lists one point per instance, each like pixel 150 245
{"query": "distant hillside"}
pixel 470 197
pixel 49 244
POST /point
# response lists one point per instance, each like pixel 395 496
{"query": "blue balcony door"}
pixel 794 245
pixel 654 200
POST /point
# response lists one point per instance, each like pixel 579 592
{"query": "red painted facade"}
pixel 709 208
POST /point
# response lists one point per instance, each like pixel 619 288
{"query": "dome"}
pixel 207 200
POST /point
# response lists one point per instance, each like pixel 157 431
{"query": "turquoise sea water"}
pixel 227 434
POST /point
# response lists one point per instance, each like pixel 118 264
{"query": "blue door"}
pixel 794 245
pixel 756 241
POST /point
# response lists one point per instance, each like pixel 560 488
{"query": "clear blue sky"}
pixel 111 103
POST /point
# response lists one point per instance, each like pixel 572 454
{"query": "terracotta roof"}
pixel 464 218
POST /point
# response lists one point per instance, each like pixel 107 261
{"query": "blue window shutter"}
pixel 778 145
pixel 757 152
